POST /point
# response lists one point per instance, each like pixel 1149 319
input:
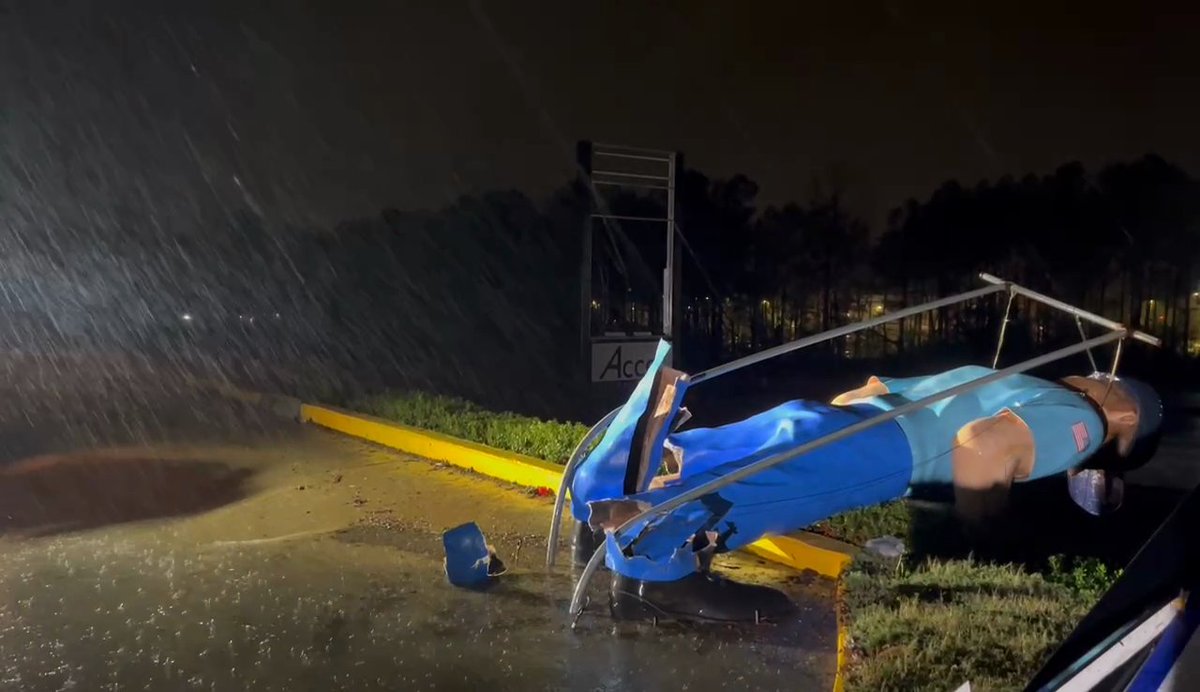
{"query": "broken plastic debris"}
pixel 470 561
pixel 887 546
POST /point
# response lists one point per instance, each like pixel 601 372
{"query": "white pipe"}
pixel 1078 312
pixel 568 475
pixel 842 331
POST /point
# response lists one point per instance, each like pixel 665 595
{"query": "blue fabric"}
pixel 670 565
pixel 864 469
pixel 1066 428
pixel 871 467
pixel 602 474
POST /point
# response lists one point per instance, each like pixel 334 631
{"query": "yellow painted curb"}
pixel 507 466
pixel 801 553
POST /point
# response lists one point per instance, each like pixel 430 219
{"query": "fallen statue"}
pixel 976 429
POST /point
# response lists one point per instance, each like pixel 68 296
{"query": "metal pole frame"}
pixel 577 457
pixel 668 292
pixel 1012 295
pixel 583 154
pixel 1071 309
pixel 1118 331
pixel 610 175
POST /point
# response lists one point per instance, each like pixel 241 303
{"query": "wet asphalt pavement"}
pixel 153 538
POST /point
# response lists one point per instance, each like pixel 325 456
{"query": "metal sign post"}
pixel 621 355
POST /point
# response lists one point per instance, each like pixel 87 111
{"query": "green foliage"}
pixel 549 440
pixel 1084 575
pixel 860 525
pixel 944 623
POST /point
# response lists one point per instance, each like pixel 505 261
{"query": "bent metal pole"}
pixel 599 428
pixel 763 464
pixel 568 475
pixel 1070 309
pixel 843 331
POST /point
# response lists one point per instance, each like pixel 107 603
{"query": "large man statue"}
pixel 980 442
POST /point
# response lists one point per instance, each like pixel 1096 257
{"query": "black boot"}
pixel 699 596
pixel 584 542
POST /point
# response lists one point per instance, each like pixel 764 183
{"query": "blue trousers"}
pixel 865 469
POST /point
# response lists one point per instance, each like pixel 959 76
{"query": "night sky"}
pixel 134 114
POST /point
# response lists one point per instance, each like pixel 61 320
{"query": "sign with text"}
pixel 621 361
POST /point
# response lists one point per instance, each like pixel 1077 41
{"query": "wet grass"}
pixel 937 618
pixel 947 622
pixel 861 525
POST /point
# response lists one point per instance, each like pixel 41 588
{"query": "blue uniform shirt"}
pixel 1067 428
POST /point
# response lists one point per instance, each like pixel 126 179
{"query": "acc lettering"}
pixel 619 367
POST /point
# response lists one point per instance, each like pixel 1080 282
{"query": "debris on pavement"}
pixel 470 562
pixel 886 547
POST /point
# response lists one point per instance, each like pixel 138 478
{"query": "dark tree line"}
pixel 482 298
pixel 1121 242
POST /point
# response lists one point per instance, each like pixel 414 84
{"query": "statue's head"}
pixel 1132 411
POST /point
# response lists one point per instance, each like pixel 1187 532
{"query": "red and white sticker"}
pixel 1081 436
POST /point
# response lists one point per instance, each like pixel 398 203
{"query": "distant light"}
pixel 186 317
pixel 277 315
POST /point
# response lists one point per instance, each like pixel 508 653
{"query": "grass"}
pixel 947 622
pixel 861 525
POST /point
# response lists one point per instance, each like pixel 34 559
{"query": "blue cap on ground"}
pixel 469 561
